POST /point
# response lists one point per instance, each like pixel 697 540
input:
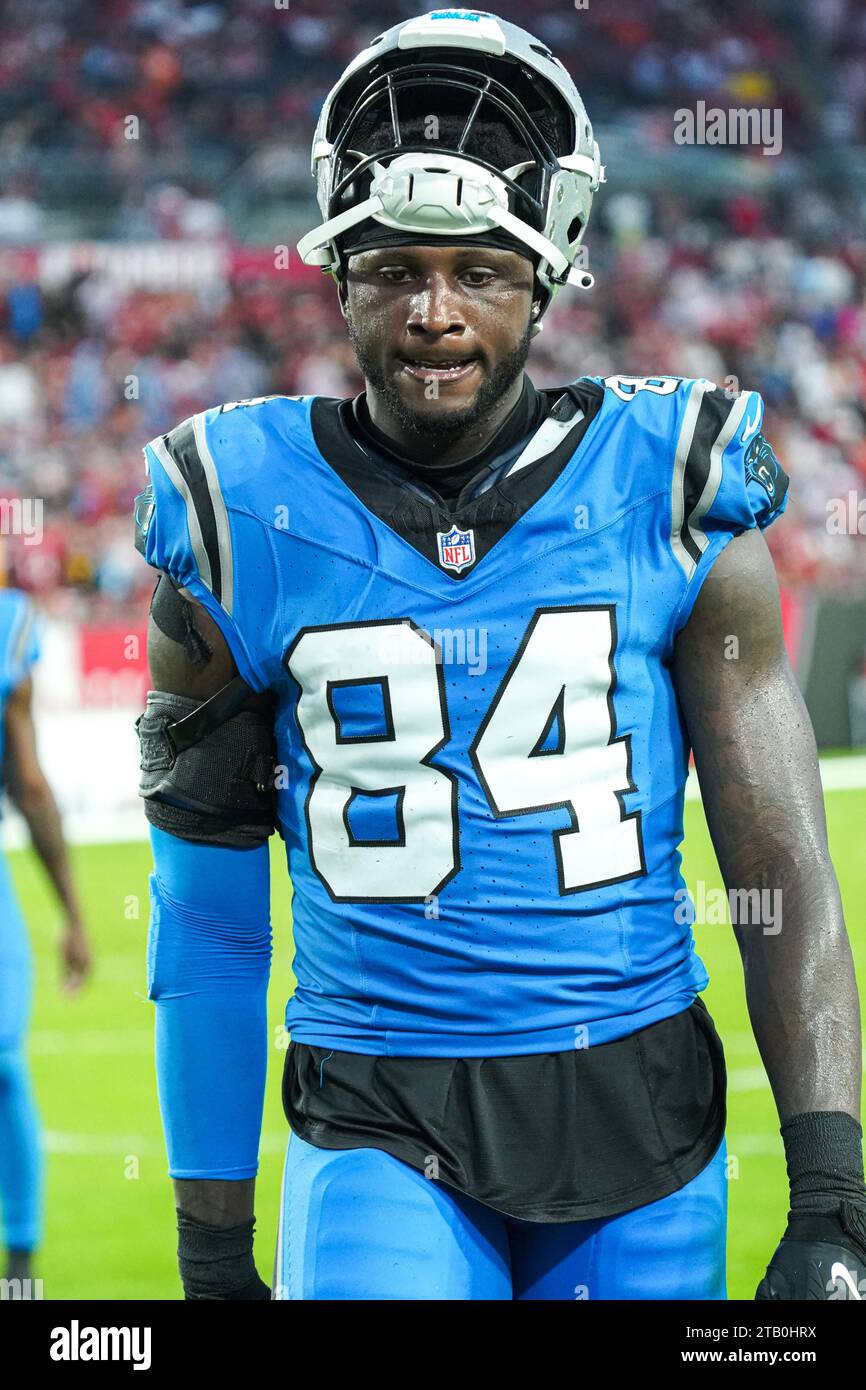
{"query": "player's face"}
pixel 441 333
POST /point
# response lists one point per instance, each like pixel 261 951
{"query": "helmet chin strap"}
pixel 314 249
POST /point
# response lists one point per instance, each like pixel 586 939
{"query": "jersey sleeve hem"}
pixel 683 610
pixel 208 1174
pixel 234 640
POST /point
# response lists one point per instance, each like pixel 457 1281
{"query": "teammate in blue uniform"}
pixel 455 639
pixel 20 1145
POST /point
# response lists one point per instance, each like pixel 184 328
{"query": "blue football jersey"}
pixel 481 763
pixel 19 646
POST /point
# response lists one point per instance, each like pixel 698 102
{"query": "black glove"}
pixel 822 1254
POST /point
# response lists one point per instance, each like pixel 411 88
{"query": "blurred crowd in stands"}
pixel 759 290
pixel 246 77
pixel 161 118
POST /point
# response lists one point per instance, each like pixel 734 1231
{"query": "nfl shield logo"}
pixel 456 548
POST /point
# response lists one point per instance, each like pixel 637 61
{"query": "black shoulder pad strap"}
pixel 215 711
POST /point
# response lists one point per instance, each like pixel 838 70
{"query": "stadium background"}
pixel 153 171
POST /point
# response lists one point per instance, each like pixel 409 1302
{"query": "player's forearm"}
pixel 208 968
pixel 765 811
pixel 758 767
pixel 209 952
pixel 39 809
pixel 800 987
pixel 762 792
pixel 216 1202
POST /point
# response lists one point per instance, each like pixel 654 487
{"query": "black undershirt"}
pixel 449 479
pixel 552 1137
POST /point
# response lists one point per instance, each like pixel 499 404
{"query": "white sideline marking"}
pixel 756 1146
pixel 843 774
pixel 118 1146
pixel 139 1145
pixel 128 824
pixel 837 775
pixel 752 1078
pixel 747 1079
pixel 124 825
pixel 47 1043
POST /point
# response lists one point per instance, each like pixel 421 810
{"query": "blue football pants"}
pixel 361 1224
pixel 20 1141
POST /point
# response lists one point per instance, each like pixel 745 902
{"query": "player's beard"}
pixel 443 427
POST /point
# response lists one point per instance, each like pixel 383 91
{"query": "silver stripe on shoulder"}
pixel 544 441
pixel 678 501
pixel 176 477
pixel 224 535
pixel 714 477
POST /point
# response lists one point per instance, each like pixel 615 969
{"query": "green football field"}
pixel 110 1215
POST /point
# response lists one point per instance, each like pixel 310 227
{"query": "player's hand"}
pixel 75 956
pixel 820 1256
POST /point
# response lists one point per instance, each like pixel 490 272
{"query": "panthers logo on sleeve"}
pixel 143 516
pixel 761 464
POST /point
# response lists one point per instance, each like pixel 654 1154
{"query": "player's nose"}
pixel 435 308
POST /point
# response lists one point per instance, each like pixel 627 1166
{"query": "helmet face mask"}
pixel 396 98
pixel 403 141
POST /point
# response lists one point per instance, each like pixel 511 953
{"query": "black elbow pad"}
pixel 207 768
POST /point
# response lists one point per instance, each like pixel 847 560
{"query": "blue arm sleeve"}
pixel 208 963
pixel 19 639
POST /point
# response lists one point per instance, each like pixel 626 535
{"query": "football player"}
pixel 25 781
pixel 455 638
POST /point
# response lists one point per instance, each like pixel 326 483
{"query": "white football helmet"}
pixel 476 67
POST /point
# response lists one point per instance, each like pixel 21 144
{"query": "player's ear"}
pixel 343 297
